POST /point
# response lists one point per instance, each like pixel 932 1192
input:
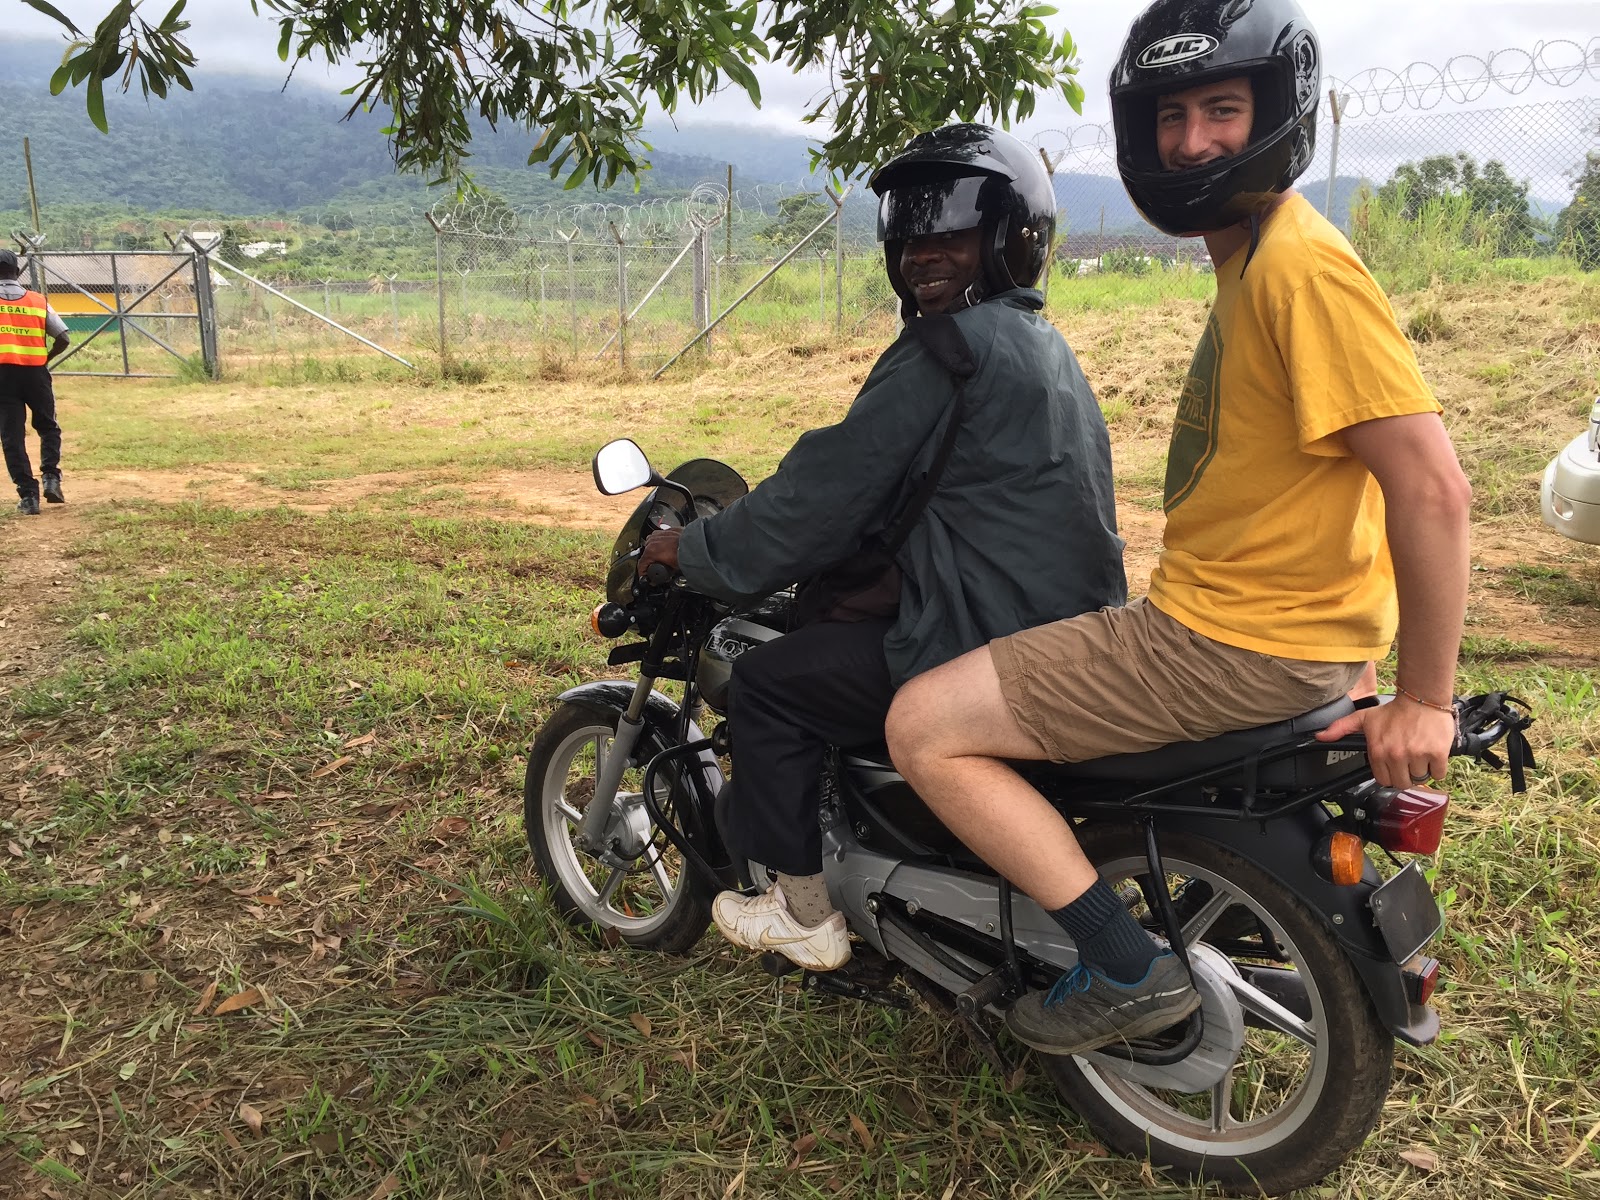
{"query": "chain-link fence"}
pixel 1429 175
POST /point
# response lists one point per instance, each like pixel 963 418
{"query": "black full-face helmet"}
pixel 1175 45
pixel 967 177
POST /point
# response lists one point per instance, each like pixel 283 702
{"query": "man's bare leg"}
pixel 946 730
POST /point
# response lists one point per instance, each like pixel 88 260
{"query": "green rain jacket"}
pixel 1022 529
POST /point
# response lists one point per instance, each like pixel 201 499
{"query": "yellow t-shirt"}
pixel 1275 533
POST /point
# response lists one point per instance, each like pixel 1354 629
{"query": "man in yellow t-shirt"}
pixel 1314 507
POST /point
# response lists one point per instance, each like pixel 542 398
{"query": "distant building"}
pixel 83 288
pixel 257 249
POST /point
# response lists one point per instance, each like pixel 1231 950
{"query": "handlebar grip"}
pixel 658 574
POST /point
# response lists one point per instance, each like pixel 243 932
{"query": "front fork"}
pixel 597 818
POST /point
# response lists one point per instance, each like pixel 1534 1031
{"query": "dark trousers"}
pixel 825 684
pixel 25 389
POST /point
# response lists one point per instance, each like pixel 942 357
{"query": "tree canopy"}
pixel 582 72
pixel 1499 203
pixel 1578 226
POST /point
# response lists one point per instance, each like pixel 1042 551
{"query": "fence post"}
pixel 822 284
pixel 702 281
pixel 838 258
pixel 394 305
pixel 622 296
pixel 1333 155
pixel 438 282
pixel 205 302
pixel 1050 255
pixel 327 303
pixel 572 286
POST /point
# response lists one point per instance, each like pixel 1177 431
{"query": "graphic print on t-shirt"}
pixel 1194 432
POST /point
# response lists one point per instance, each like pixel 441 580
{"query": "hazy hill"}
pixel 241 144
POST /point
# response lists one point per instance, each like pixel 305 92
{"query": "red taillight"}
pixel 1421 976
pixel 1409 822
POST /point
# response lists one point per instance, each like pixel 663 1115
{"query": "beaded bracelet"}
pixel 1416 699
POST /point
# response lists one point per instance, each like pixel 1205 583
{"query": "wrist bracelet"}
pixel 1416 699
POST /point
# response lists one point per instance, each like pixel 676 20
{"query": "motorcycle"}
pixel 1248 853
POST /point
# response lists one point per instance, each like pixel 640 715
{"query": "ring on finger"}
pixel 1420 778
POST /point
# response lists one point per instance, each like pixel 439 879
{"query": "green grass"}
pixel 430 1027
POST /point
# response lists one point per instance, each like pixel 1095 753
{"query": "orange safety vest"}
pixel 23 342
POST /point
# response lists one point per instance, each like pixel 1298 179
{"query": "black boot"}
pixel 28 506
pixel 52 488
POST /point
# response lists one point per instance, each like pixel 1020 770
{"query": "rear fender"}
pixel 1282 848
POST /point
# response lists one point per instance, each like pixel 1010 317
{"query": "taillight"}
pixel 1407 822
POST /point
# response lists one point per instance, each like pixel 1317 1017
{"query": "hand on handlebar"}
pixel 660 551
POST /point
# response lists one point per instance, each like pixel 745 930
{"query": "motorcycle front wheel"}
pixel 652 900
pixel 1311 1078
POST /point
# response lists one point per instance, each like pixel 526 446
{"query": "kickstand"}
pixel 983 1041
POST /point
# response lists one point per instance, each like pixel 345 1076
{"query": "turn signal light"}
pixel 609 620
pixel 1340 857
pixel 1409 822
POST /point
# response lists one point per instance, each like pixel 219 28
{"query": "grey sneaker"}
pixel 1086 1010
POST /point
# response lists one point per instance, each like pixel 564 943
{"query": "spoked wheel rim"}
pixel 634 900
pixel 1282 1068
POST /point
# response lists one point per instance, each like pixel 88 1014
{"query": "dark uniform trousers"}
pixel 25 389
pixel 823 685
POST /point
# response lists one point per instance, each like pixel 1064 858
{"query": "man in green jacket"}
pixel 1020 529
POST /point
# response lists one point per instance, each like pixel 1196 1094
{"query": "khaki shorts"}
pixel 1123 680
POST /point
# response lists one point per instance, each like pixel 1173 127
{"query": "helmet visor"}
pixel 936 206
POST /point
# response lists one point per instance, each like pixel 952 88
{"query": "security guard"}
pixel 27 323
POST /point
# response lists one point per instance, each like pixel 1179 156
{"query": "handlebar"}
pixel 658 574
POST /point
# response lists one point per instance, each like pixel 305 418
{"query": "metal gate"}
pixel 163 297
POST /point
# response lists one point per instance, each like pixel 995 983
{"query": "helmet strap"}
pixel 1255 240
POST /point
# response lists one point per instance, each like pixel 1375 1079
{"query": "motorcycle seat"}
pixel 1191 758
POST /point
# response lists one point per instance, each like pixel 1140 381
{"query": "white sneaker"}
pixel 765 923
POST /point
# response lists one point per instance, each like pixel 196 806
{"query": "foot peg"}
pixel 777 965
pixel 997 985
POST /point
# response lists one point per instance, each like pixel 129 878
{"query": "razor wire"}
pixel 1465 78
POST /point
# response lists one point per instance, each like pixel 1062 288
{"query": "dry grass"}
pixel 266 922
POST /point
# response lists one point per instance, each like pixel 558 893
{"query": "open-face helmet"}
pixel 1175 45
pixel 966 177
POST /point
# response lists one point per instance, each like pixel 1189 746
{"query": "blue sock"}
pixel 1108 938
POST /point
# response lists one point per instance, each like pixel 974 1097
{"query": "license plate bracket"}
pixel 1406 913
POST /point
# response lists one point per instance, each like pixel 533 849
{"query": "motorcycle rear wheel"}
pixel 655 902
pixel 1302 1097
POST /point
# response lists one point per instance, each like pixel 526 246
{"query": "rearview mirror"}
pixel 620 466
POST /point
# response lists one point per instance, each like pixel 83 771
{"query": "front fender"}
pixel 611 697
pixel 1282 848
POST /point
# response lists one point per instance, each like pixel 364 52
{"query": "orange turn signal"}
pixel 594 619
pixel 1346 858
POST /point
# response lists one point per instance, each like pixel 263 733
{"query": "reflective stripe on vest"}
pixel 23 342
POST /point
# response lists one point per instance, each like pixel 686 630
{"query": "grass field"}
pixel 267 925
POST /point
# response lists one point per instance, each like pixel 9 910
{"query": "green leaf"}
pixel 55 14
pixel 283 40
pixel 54 1170
pixel 97 105
pixel 62 77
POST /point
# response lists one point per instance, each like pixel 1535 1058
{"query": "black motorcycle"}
pixel 1248 853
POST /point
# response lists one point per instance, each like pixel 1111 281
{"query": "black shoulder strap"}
pixel 943 339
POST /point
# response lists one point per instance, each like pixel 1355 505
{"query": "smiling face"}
pixel 939 267
pixel 1205 123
